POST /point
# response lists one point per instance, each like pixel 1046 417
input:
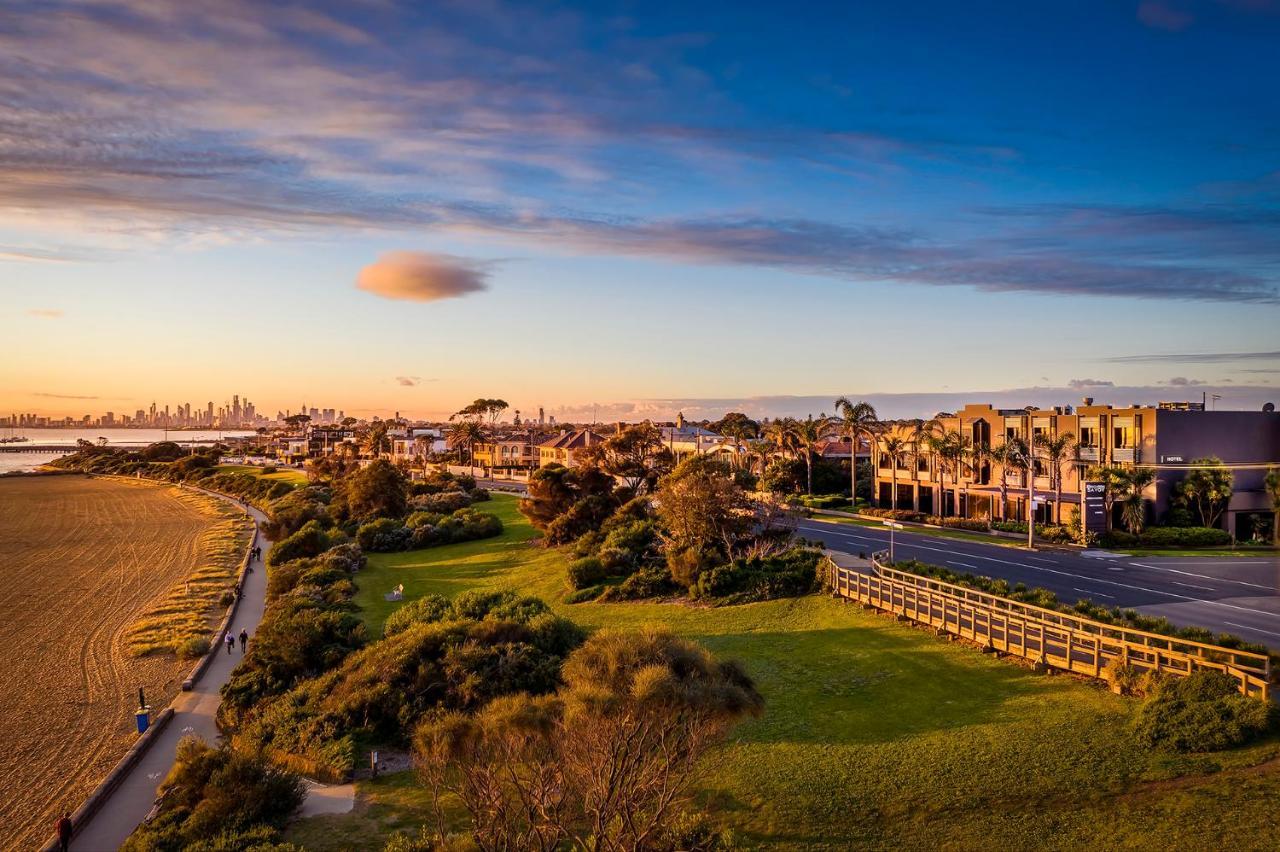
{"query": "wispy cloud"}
pixel 1083 384
pixel 62 395
pixel 411 381
pixel 1195 357
pixel 1183 381
pixel 1168 15
pixel 422 277
pixel 45 313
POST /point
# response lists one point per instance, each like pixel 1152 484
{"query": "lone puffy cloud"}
pixel 422 277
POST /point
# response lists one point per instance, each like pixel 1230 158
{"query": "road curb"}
pixel 94 802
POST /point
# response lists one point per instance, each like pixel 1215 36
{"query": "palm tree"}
pixel 375 440
pixel 858 419
pixel 1006 456
pixel 1133 507
pixel 894 448
pixel 1273 490
pixel 952 448
pixel 467 433
pixel 804 435
pixel 1056 451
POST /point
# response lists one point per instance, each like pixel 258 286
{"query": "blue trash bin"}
pixel 143 718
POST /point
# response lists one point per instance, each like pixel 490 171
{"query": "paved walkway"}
pixel 193 714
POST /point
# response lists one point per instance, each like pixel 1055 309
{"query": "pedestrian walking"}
pixel 244 640
pixel 231 643
pixel 64 832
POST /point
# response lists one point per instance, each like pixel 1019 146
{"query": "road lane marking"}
pixel 1095 594
pixel 1189 586
pixel 963 564
pixel 1203 576
pixel 1255 629
pixel 1039 559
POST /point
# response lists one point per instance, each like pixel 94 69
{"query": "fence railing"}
pixel 1057 639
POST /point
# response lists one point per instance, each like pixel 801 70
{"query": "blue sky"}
pixel 401 206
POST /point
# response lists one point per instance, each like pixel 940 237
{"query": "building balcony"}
pixel 1089 454
pixel 1124 454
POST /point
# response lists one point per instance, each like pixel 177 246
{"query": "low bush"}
pixel 442 658
pixel 1169 537
pixel 787 574
pixel 587 571
pixel 957 523
pixel 194 648
pixel 310 540
pixel 443 503
pixel 1202 712
pixel 427 529
pixel 823 501
pixel 218 798
pixel 590 593
pixel 652 581
pixel 895 514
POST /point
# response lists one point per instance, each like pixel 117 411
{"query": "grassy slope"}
pixel 284 474
pixel 876 734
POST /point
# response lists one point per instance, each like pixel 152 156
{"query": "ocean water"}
pixel 18 462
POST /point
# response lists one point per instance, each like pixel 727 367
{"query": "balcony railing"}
pixel 1123 454
pixel 1088 453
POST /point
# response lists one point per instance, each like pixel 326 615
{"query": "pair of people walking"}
pixel 244 641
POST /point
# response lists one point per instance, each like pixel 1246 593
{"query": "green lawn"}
pixel 876 734
pixel 284 474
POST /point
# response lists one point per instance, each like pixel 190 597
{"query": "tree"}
pixel 636 455
pixel 858 420
pixel 736 425
pixel 1114 481
pixel 566 503
pixel 467 433
pixel 1272 483
pixel 1006 455
pixel 894 448
pixel 1056 452
pixel 605 764
pixel 297 420
pixel 702 510
pixel 1133 505
pixel 349 422
pixel 376 440
pixel 805 435
pixel 951 448
pixel 378 490
pixel 1208 485
pixel 483 409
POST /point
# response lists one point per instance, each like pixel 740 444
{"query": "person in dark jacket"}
pixel 244 640
pixel 65 829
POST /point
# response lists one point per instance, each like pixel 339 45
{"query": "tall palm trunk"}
pixel 853 468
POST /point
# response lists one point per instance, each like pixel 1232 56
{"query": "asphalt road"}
pixel 1231 595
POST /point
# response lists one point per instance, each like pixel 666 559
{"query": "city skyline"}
pixel 400 206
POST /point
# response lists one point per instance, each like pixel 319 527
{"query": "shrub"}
pixel 310 540
pixel 587 571
pixel 1184 537
pixel 787 574
pixel 269 468
pixel 1202 712
pixel 194 648
pixel 425 610
pixel 896 515
pixel 385 535
pixel 216 793
pixel 590 593
pixel 652 581
pixel 443 503
pixel 382 690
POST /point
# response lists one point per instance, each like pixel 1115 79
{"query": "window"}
pixel 1123 437
pixel 1088 436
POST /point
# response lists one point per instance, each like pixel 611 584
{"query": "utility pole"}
pixel 1031 482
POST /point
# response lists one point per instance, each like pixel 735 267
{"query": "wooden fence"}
pixel 1057 639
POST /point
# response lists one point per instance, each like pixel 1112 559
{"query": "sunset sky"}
pixel 386 205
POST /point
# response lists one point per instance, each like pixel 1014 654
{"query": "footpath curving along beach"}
pixel 194 712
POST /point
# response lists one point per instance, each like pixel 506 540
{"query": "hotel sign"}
pixel 1095 507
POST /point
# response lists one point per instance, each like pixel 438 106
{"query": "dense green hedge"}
pixel 1169 537
pixel 1202 712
